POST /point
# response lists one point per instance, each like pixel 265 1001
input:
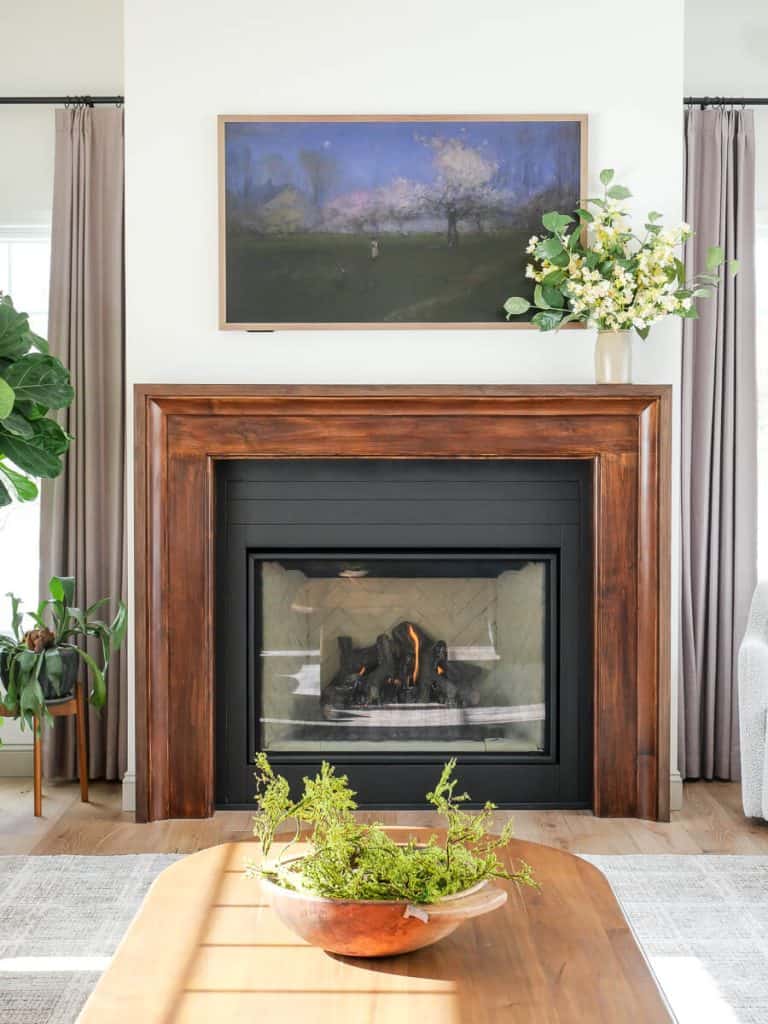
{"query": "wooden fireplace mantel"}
pixel 182 430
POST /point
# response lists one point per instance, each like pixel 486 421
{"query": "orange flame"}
pixel 415 637
pixel 440 670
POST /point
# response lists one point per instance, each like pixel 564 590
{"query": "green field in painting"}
pixel 323 278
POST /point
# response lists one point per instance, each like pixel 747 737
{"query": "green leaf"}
pixel 556 222
pixel 553 296
pixel 654 229
pixel 14 332
pixel 16 424
pixel 606 176
pixel 5 495
pixel 54 667
pixel 49 436
pixel 689 314
pixel 584 216
pixel 516 305
pixel 25 488
pixel 549 248
pixel 715 257
pixel 654 215
pixel 619 192
pixel 118 626
pixel 573 241
pixel 643 332
pixel 29 456
pixel 547 319
pixel 733 266
pixel 62 588
pixel 98 694
pixel 561 260
pixel 42 379
pixel 704 292
pixel 554 278
pixel 538 297
pixel 680 268
pixel 7 398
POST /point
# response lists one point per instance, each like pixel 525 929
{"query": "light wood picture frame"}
pixel 387 222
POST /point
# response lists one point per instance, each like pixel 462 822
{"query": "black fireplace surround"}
pixel 386 615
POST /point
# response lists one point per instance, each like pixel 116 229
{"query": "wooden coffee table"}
pixel 206 948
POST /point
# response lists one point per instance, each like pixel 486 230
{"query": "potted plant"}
pixel 360 893
pixel 592 268
pixel 32 384
pixel 42 664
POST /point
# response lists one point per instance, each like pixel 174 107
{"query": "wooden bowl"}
pixel 378 927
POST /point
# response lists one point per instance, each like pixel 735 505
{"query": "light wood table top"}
pixel 205 947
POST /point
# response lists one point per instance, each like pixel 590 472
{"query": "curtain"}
pixel 82 512
pixel 718 443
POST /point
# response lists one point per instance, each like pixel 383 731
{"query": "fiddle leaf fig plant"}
pixel 42 663
pixel 33 384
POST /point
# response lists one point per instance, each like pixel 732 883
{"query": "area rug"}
pixel 61 919
pixel 702 922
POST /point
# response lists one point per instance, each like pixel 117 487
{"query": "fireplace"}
pixel 620 437
pixel 389 615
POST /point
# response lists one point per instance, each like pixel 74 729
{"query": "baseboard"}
pixel 129 791
pixel 675 790
pixel 16 761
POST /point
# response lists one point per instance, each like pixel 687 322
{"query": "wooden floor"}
pixel 711 821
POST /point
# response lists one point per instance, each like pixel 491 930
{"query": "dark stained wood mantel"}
pixel 182 430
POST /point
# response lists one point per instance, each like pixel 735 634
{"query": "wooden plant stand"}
pixel 61 709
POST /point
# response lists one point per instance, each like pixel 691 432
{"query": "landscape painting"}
pixel 386 222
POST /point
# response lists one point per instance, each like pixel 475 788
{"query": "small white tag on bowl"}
pixel 420 912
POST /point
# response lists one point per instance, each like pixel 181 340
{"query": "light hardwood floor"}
pixel 711 821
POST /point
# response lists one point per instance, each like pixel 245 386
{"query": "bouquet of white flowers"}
pixel 592 268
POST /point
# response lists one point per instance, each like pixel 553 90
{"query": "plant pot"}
pixel 373 928
pixel 70 665
pixel 613 357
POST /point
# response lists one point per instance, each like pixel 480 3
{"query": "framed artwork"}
pixel 386 222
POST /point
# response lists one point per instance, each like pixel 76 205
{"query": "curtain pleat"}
pixel 82 529
pixel 718 443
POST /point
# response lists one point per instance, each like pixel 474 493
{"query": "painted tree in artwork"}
pixel 320 170
pixel 400 202
pixel 463 188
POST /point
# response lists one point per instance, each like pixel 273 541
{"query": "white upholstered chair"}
pixel 753 707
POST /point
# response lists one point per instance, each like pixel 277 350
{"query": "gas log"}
pixel 405 667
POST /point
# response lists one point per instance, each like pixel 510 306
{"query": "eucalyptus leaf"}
pixel 619 192
pixel 547 319
pixel 733 266
pixel 606 176
pixel 550 248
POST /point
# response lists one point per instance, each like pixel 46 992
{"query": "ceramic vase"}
pixel 613 357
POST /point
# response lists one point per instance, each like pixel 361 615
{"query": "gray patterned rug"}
pixel 702 922
pixel 61 919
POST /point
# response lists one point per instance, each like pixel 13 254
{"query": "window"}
pixel 25 255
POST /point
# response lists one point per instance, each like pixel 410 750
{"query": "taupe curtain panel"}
pixel 718 443
pixel 82 512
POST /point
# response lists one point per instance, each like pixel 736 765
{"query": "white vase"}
pixel 613 357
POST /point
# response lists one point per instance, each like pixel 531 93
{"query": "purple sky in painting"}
pixel 532 155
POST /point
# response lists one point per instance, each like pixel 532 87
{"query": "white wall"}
pixel 49 48
pixel 187 61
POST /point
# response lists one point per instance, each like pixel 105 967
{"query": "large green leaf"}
pixel 17 424
pixel 15 336
pixel 7 398
pixel 98 694
pixel 5 495
pixel 547 319
pixel 516 306
pixel 42 379
pixel 28 456
pixel 62 588
pixel 25 488
pixel 48 435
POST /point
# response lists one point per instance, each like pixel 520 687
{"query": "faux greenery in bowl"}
pixel 358 891
pixel 42 663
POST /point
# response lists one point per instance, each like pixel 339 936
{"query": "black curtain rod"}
pixel 726 101
pixel 88 101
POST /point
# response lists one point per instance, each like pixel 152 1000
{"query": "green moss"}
pixel 349 860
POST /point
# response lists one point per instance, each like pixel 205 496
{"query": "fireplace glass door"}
pixel 402 653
